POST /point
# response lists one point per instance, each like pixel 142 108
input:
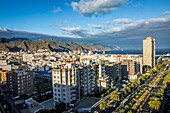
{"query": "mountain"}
pixel 97 47
pixel 16 44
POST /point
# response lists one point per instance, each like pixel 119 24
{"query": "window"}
pixel 18 77
pixel 58 94
pixel 58 90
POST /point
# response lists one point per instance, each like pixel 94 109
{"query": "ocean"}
pixel 139 52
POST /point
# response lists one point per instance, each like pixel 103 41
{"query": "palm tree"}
pixel 124 91
pixel 142 78
pixel 121 111
pixel 132 85
pixel 126 106
pixel 129 111
pixel 154 103
pixel 115 97
pixel 166 79
pixel 102 95
pixel 134 107
pixel 128 89
pixel 103 105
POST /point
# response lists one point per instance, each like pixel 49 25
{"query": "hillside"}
pixel 16 44
pixel 97 47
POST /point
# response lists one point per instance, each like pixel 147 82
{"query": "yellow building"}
pixel 149 52
pixel 3 76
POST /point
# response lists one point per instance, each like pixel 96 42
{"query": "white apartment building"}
pixel 65 85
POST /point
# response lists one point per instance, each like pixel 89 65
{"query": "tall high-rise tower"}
pixel 149 52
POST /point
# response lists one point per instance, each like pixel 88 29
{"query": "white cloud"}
pixel 123 21
pixel 96 7
pixel 96 26
pixel 62 24
pixel 76 31
pixel 66 4
pixel 166 13
pixel 3 29
pixel 56 10
pixel 128 35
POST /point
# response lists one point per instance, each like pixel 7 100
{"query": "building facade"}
pixel 3 74
pixel 65 85
pixel 149 52
pixel 21 82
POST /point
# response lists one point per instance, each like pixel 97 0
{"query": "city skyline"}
pixel 121 22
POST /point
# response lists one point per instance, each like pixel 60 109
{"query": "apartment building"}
pixel 87 80
pixel 65 84
pixel 149 52
pixel 104 83
pixel 102 70
pixel 27 57
pixel 21 81
pixel 4 65
pixel 129 67
pixel 113 70
pixel 3 74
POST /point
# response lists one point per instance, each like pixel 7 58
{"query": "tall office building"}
pixel 149 52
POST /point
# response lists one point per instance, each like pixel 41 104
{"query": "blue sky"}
pixel 83 19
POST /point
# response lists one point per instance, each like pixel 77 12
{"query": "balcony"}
pixel 74 94
pixel 73 90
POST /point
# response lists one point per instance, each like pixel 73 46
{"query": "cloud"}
pixel 3 29
pixel 77 31
pixel 62 24
pixel 128 35
pixel 166 13
pixel 96 26
pixel 56 10
pixel 66 4
pixel 96 7
pixel 123 21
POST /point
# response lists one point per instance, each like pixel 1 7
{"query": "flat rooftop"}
pixel 86 102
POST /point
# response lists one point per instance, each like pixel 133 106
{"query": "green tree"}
pixel 103 105
pixel 115 97
pixel 121 111
pixel 129 111
pixel 154 103
pixel 102 95
pixel 128 89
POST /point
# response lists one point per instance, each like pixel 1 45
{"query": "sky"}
pixel 124 23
